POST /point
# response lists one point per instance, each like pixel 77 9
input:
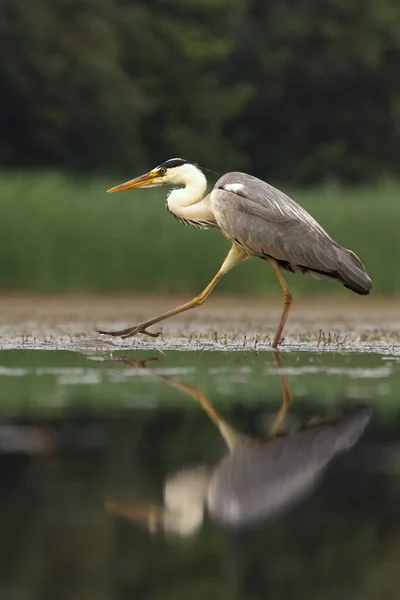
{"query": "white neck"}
pixel 195 186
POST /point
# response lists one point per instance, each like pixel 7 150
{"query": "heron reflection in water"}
pixel 258 478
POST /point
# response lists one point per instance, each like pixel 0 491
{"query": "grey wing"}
pixel 270 224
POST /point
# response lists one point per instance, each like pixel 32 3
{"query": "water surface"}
pixel 116 483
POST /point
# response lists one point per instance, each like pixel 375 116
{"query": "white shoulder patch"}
pixel 233 187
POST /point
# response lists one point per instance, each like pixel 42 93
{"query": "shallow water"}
pixel 116 483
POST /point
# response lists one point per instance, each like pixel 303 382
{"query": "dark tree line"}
pixel 295 90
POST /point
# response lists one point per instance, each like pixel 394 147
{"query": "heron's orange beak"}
pixel 141 181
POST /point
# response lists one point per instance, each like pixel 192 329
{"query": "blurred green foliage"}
pixel 295 91
pixel 62 234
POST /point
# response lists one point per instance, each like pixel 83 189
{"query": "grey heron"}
pixel 259 220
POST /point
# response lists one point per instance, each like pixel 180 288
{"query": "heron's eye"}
pixel 162 171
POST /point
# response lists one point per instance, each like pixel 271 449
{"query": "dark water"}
pixel 117 484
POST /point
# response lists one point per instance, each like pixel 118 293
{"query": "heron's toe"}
pixel 150 333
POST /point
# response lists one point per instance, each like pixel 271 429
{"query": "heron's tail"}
pixel 352 272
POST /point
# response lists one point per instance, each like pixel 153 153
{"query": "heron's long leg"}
pixel 286 399
pixel 235 256
pixel 287 302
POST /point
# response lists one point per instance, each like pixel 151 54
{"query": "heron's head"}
pixel 172 171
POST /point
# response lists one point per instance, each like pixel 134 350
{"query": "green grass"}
pixel 60 234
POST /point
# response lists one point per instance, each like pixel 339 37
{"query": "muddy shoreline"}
pixel 224 323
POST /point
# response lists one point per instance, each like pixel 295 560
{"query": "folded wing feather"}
pixel 268 223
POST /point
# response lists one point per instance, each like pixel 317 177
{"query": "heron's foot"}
pixel 278 341
pixel 130 331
